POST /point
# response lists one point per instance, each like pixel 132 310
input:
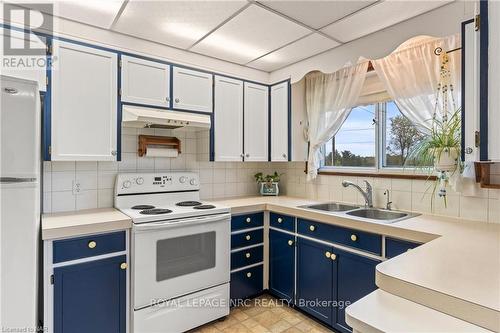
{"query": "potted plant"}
pixel 268 184
pixel 440 149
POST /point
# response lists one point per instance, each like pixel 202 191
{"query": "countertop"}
pixel 456 271
pixel 83 222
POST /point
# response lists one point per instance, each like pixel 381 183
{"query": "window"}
pixel 373 136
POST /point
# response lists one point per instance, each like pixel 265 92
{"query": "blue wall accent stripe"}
pixel 119 111
pixel 47 108
pixel 483 82
pixel 289 89
pixel 269 131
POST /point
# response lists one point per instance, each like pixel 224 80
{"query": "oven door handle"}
pixel 180 222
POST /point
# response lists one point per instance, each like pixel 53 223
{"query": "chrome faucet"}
pixel 388 202
pixel 366 194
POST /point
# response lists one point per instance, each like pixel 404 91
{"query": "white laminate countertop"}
pixel 83 222
pixel 456 272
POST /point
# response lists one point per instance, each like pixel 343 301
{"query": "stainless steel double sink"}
pixel 362 213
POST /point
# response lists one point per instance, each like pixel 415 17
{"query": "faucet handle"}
pixel 368 185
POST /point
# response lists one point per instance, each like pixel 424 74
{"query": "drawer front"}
pixel 284 222
pixel 247 238
pixel 350 237
pixel 395 247
pixel 246 283
pixel 247 257
pixel 246 221
pixel 88 246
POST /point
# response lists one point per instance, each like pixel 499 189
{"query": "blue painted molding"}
pixel 464 46
pixel 47 108
pixel 269 130
pixel 289 87
pixel 483 82
pixel 119 110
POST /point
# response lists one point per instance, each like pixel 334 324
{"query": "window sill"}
pixel 374 173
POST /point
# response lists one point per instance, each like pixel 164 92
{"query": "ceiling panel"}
pixel 316 14
pixel 175 23
pixel 251 34
pixel 377 17
pixel 301 49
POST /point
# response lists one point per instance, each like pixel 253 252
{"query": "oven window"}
pixel 184 255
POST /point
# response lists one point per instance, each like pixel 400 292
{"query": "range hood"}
pixel 142 117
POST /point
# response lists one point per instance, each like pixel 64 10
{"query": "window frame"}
pixel 380 149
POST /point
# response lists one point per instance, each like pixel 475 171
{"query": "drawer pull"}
pixel 249 275
pixel 280 220
pixel 247 254
pixel 92 244
pixel 328 254
pixel 290 242
pixel 312 228
pixel 248 220
pixel 333 256
pixel 354 238
pixel 123 265
pixel 247 237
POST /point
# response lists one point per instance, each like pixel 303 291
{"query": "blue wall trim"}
pixel 269 130
pixel 119 111
pixel 464 46
pixel 211 156
pixel 47 109
pixel 289 120
pixel 483 82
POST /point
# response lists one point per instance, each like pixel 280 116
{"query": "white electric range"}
pixel 180 253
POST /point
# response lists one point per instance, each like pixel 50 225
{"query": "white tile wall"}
pixel 82 185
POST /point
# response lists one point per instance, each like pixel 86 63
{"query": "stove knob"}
pixel 193 182
pixel 126 184
pixel 183 179
pixel 139 181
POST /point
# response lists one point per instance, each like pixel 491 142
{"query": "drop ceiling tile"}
pixel 377 17
pixel 175 23
pixel 301 49
pixel 251 34
pixel 316 14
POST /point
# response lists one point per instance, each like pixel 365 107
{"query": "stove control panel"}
pixel 127 183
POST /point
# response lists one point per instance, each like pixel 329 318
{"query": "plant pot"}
pixel 269 188
pixel 445 159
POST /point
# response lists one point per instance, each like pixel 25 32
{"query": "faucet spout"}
pixel 367 195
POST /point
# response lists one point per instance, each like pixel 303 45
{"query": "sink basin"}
pixel 332 207
pixel 377 214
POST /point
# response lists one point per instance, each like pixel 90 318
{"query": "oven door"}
pixel 178 257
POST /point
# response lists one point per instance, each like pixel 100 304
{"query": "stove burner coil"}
pixel 143 207
pixel 155 211
pixel 204 207
pixel 188 203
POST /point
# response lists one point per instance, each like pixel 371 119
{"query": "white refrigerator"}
pixel 20 127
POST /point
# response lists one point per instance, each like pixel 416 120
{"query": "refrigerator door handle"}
pixel 13 180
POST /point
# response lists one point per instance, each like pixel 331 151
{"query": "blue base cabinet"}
pixel 316 280
pixel 281 264
pixel 90 297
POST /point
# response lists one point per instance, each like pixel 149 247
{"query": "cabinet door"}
pixel 228 119
pixel 33 73
pixel 84 104
pixel 355 279
pixel 316 273
pixel 192 90
pixel 90 297
pixel 279 122
pixel 281 264
pixel 256 117
pixel 145 82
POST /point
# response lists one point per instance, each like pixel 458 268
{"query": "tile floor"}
pixel 264 314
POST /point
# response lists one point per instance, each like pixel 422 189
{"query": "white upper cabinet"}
pixel 279 121
pixel 228 119
pixel 256 122
pixel 192 90
pixel 31 73
pixel 84 104
pixel 145 82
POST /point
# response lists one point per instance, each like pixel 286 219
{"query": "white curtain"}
pixel 411 75
pixel 329 99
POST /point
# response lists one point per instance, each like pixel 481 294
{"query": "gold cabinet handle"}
pixel 354 238
pixel 328 254
pixel 92 244
pixel 290 242
pixel 312 228
pixel 280 220
pixel 247 254
pixel 123 265
pixel 248 220
pixel 333 256
pixel 247 237
pixel 249 275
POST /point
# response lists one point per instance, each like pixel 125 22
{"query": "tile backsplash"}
pixel 71 186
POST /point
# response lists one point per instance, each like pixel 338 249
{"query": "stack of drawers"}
pixel 247 255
